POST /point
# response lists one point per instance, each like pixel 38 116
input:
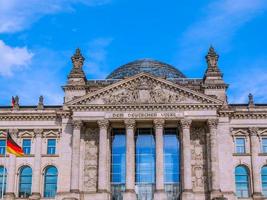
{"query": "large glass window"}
pixel 264 145
pixel 3 177
pixel 2 147
pixel 242 181
pixel 51 146
pixel 50 181
pixel 240 145
pixel 171 163
pixel 145 163
pixel 118 160
pixel 264 180
pixel 25 182
pixel 26 145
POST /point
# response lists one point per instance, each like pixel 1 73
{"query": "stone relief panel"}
pixel 91 159
pixel 198 153
pixel 144 90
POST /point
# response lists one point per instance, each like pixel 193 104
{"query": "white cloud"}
pixel 97 56
pixel 17 15
pixel 12 58
pixel 220 21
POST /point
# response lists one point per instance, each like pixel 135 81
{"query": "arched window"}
pixel 25 182
pixel 264 180
pixel 50 181
pixel 242 181
pixel 3 177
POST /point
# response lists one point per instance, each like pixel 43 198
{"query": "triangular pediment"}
pixel 144 89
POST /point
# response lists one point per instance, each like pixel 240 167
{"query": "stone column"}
pixel 160 192
pixel 75 158
pixel 256 179
pixel 36 194
pixel 130 160
pixel 186 168
pixel 214 161
pixel 103 156
pixel 10 192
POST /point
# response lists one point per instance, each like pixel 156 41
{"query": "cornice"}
pixel 146 107
pixel 27 116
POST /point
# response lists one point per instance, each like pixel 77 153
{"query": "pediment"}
pixel 144 89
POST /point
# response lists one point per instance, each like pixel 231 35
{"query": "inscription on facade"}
pixel 144 115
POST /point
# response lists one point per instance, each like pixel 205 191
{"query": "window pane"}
pixel 50 182
pixel 3 178
pixel 2 147
pixel 240 145
pixel 264 180
pixel 264 145
pixel 26 145
pixel 242 181
pixel 51 146
pixel 25 182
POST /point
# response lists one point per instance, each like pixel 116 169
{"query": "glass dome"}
pixel 150 66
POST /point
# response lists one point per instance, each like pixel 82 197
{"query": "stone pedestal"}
pixel 9 196
pixel 160 195
pixel 129 195
pixel 187 195
pixel 35 196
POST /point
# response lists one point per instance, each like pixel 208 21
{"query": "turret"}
pixel 76 83
pixel 213 82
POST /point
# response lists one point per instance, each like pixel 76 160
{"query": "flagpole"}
pixel 4 172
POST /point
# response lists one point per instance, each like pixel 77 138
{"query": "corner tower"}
pixel 213 82
pixel 76 83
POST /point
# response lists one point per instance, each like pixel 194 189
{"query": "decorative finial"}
pixel 41 103
pixel 250 100
pixel 77 59
pixel 212 57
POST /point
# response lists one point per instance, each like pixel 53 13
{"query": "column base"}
pixel 187 195
pixel 9 196
pixel 216 195
pixel 257 196
pixel 129 195
pixel 160 195
pixel 35 196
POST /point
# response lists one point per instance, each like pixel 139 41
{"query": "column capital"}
pixel 212 123
pixel 77 124
pixel 130 123
pixel 38 132
pixel 253 131
pixel 103 123
pixel 185 123
pixel 159 123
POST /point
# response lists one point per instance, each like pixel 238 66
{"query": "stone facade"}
pixel 208 129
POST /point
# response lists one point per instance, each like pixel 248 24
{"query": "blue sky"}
pixel 37 39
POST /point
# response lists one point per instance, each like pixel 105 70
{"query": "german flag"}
pixel 13 147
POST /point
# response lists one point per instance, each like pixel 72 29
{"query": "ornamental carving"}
pixel 212 123
pixel 185 123
pixel 144 91
pixel 77 124
pixel 103 123
pixel 253 131
pixel 90 161
pixel 199 175
pixel 129 123
pixel 159 123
